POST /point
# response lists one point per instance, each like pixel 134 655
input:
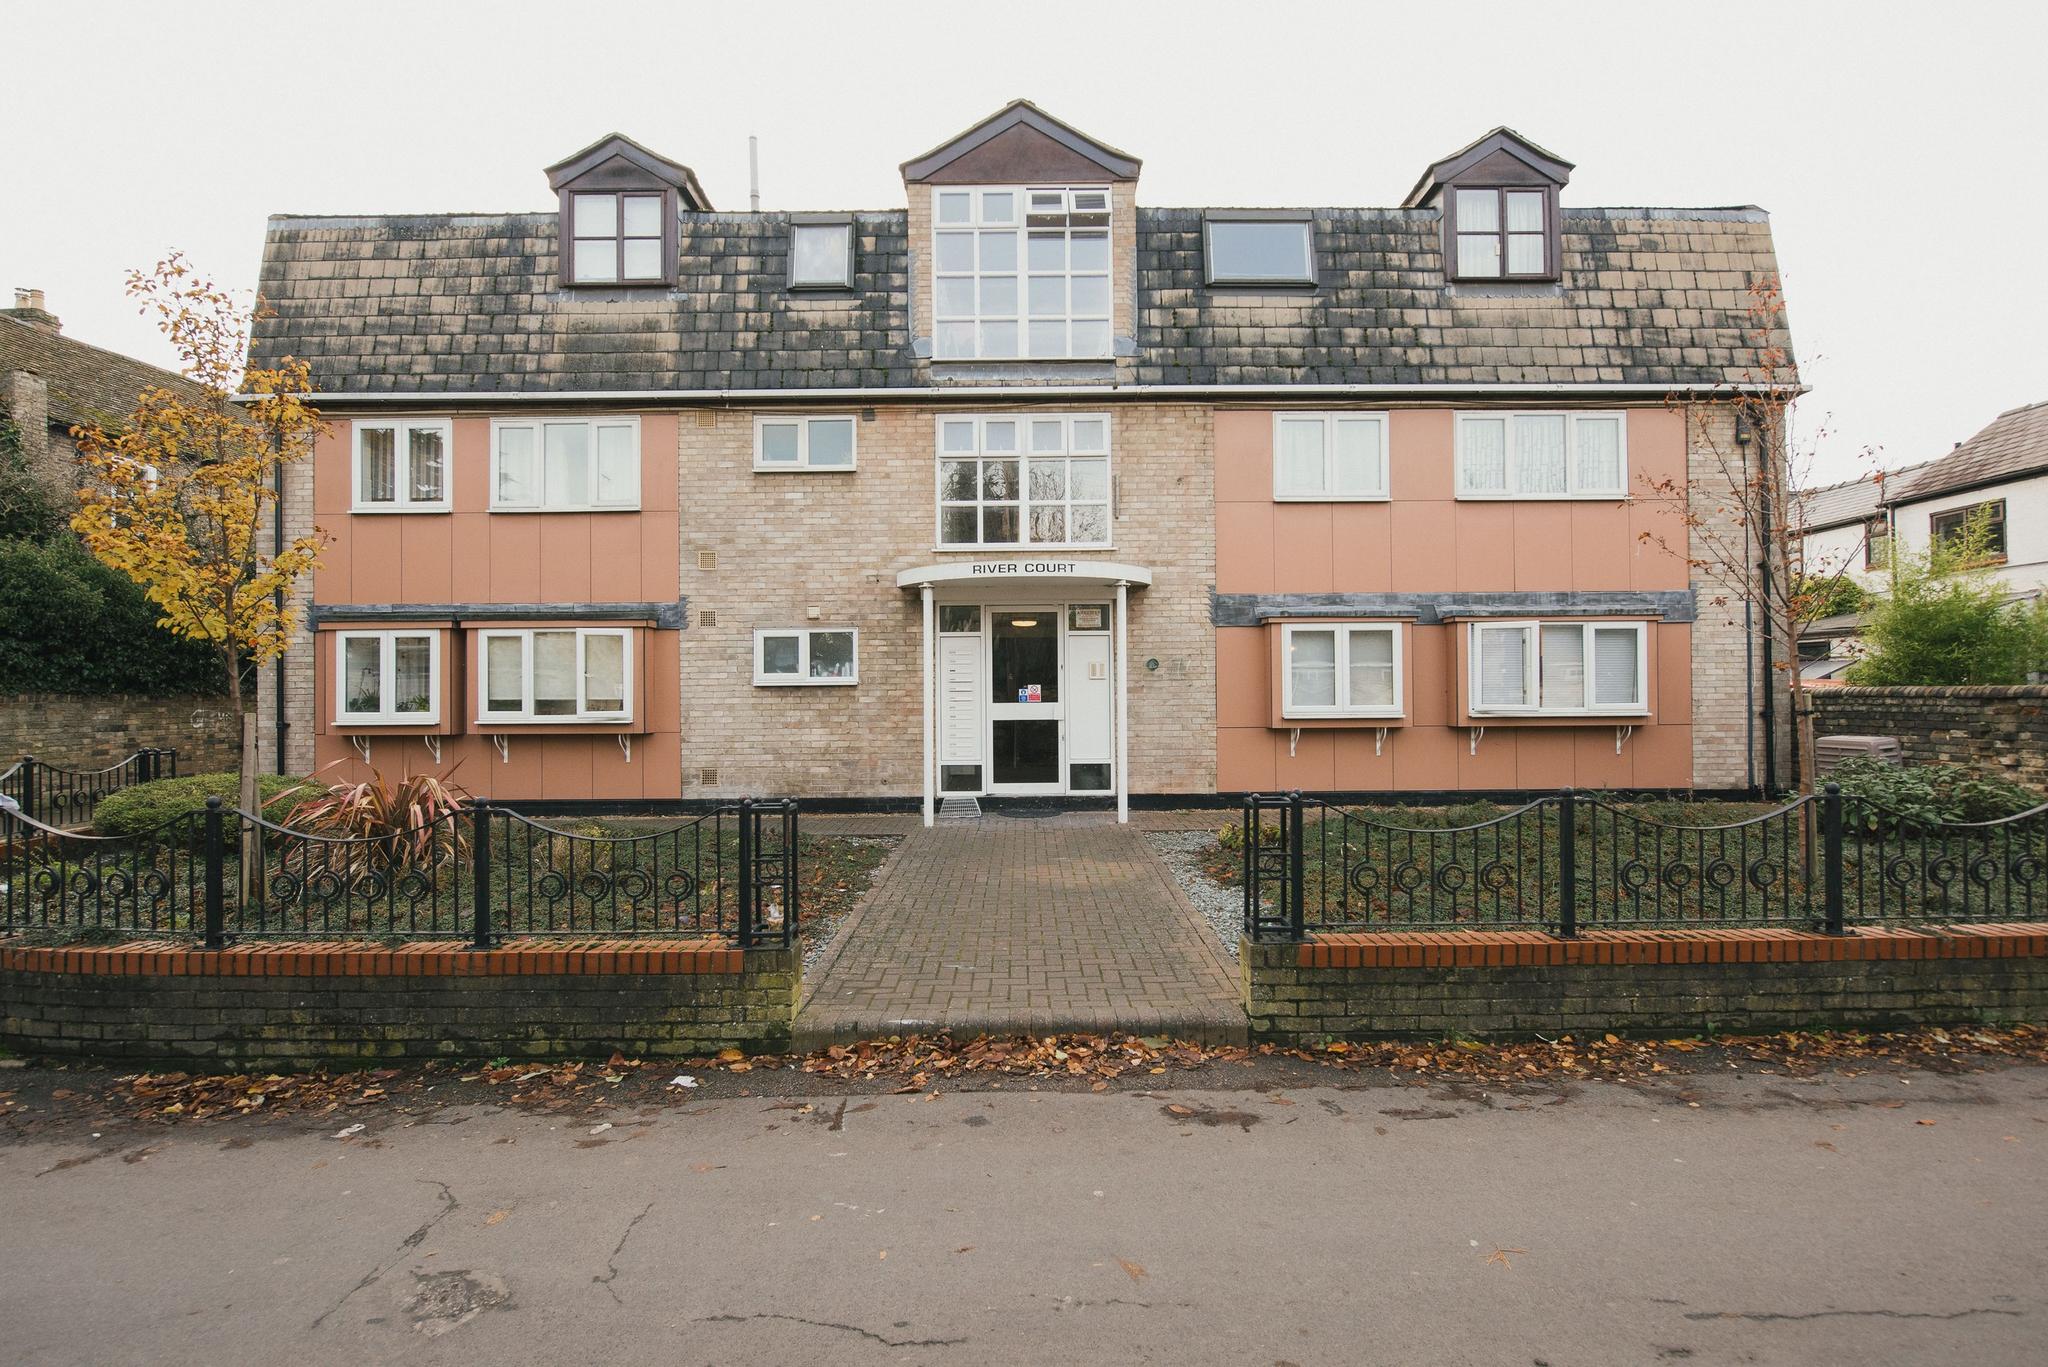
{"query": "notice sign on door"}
pixel 1031 693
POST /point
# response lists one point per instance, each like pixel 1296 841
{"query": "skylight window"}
pixel 1259 251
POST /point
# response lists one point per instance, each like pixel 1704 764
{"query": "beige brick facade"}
pixel 297 662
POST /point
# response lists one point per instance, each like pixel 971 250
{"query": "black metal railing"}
pixel 1567 863
pixel 58 796
pixel 484 873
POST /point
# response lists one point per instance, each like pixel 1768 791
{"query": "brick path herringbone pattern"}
pixel 1006 925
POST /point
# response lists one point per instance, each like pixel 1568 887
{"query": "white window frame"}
pixel 1022 455
pixel 979 223
pixel 401 482
pixel 539 426
pixel 1303 223
pixel 1532 664
pixel 802 423
pixel 802 678
pixel 1344 706
pixel 387 679
pixel 1329 493
pixel 583 714
pixel 1572 490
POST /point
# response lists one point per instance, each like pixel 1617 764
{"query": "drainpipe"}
pixel 1744 438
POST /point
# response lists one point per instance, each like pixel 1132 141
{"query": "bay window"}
pixel 1341 670
pixel 806 656
pixel 1542 455
pixel 390 678
pixel 1024 481
pixel 1020 273
pixel 400 465
pixel 565 465
pixel 1559 668
pixel 567 674
pixel 1329 456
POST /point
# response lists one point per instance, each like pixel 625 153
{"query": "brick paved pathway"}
pixel 1007 925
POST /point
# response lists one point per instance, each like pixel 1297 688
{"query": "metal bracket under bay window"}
pixel 1293 739
pixel 1379 739
pixel 504 744
pixel 1621 734
pixel 1474 732
pixel 626 747
pixel 362 745
pixel 433 744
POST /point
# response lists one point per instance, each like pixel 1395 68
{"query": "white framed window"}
pixel 806 657
pixel 1542 455
pixel 1023 480
pixel 1329 456
pixel 555 674
pixel 804 442
pixel 821 256
pixel 559 465
pixel 1559 668
pixel 1341 670
pixel 1020 272
pixel 401 465
pixel 1262 250
pixel 617 238
pixel 387 678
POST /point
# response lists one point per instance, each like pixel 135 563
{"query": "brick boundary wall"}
pixel 79 732
pixel 2003 730
pixel 1507 984
pixel 301 1005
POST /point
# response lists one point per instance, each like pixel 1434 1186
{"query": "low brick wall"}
pixel 1505 985
pixel 2003 730
pixel 92 733
pixel 301 1005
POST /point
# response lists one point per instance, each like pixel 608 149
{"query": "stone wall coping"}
pixel 1492 949
pixel 1923 692
pixel 353 959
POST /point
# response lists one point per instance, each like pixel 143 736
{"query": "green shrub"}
pixel 69 624
pixel 1928 794
pixel 1946 621
pixel 146 806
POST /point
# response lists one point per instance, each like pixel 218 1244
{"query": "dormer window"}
pixel 620 209
pixel 1501 233
pixel 616 238
pixel 1498 200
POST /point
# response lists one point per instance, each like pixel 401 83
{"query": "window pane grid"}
pixel 1330 455
pixel 1035 287
pixel 401 465
pixel 388 676
pixel 618 237
pixel 556 674
pixel 565 466
pixel 825 655
pixel 1559 668
pixel 995 492
pixel 1339 671
pixel 1542 455
pixel 1500 232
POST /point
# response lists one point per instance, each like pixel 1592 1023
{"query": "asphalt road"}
pixel 1874 1219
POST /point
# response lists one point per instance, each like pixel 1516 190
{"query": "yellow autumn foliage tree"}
pixel 179 495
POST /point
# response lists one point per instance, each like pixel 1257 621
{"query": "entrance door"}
pixel 1024 701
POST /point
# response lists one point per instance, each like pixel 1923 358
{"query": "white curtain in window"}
pixel 516 483
pixel 1563 666
pixel 1301 455
pixel 1360 457
pixel 554 673
pixel 424 464
pixel 567 463
pixel 412 674
pixel 1539 453
pixel 1478 211
pixel 379 466
pixel 1615 665
pixel 1372 668
pixel 1503 671
pixel 604 672
pixel 1525 211
pixel 504 663
pixel 1312 659
pixel 1478 254
pixel 618 474
pixel 1598 440
pixel 1483 455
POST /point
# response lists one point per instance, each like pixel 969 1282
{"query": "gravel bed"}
pixel 1221 907
pixel 822 927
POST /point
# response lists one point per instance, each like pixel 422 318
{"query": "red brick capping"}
pixel 1512 949
pixel 346 959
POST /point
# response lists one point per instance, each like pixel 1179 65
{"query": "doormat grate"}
pixel 959 809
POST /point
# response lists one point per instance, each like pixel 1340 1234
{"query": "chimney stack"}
pixel 29 308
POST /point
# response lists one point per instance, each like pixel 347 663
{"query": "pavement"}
pixel 1023 925
pixel 1875 1216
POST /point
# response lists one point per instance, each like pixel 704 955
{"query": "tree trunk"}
pixel 249 838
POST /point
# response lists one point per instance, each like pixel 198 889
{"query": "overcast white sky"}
pixel 1899 148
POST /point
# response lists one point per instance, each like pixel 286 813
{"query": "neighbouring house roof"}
pixel 1850 502
pixel 86 383
pixel 472 303
pixel 2014 446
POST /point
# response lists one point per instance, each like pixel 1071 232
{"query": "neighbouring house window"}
pixel 806 656
pixel 1341 670
pixel 1259 251
pixel 1024 481
pixel 1558 668
pixel 803 443
pixel 1950 527
pixel 565 465
pixel 821 256
pixel 1877 544
pixel 1329 456
pixel 387 677
pixel 565 674
pixel 1020 273
pixel 401 465
pixel 617 238
pixel 1542 455
pixel 1500 234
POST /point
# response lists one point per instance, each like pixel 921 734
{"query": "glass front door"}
pixel 1024 700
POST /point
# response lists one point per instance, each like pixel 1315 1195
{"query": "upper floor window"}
pixel 565 465
pixel 1262 249
pixel 1955 525
pixel 390 677
pixel 1542 455
pixel 803 443
pixel 401 465
pixel 1329 456
pixel 617 238
pixel 1559 668
pixel 1502 234
pixel 1021 273
pixel 1024 481
pixel 1877 544
pixel 1341 671
pixel 821 255
pixel 556 675
pixel 806 656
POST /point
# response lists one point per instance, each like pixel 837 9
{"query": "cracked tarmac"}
pixel 1874 1217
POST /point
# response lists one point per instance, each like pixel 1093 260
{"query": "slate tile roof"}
pixel 471 303
pixel 1852 501
pixel 2014 446
pixel 86 383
